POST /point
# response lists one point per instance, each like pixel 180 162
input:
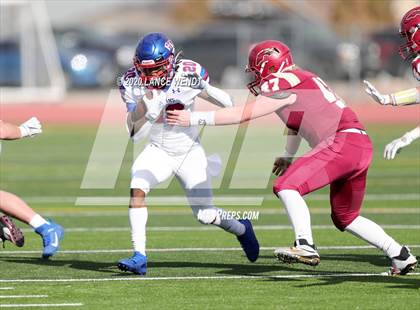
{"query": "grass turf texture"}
pixel 51 167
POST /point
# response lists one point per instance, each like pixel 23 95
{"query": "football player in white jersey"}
pixel 10 204
pixel 410 31
pixel 155 84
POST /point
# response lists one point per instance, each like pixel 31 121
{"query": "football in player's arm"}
pixel 13 206
pixel 410 30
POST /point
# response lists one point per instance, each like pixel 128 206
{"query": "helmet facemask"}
pixel 155 74
pixel 410 49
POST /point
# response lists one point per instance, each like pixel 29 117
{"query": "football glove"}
pixel 394 147
pixel 154 105
pixel 376 95
pixel 30 128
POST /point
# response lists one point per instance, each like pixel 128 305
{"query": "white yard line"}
pixel 176 211
pixel 288 276
pixel 40 305
pixel 99 251
pixel 22 296
pixel 219 199
pixel 206 228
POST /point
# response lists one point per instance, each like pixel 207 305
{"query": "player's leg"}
pixel 196 181
pixel 305 175
pixel 151 167
pixel 346 200
pixel 50 232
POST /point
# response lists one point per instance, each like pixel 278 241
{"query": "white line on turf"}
pixel 22 296
pixel 228 199
pixel 205 228
pixel 220 199
pixel 339 247
pixel 176 211
pixel 289 276
pixel 40 305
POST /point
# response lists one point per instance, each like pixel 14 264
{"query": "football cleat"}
pixel 301 252
pixel 9 231
pixel 136 264
pixel 51 234
pixel 249 241
pixel 403 263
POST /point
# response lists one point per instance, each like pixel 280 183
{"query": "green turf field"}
pixel 193 266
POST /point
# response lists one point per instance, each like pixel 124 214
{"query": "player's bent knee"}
pixel 137 198
pixel 341 221
pixel 208 216
pixel 282 184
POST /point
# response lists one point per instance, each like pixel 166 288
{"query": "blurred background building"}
pixel 52 47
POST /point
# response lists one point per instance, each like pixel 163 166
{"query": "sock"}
pixel 138 220
pixel 298 213
pixel 37 221
pixel 216 216
pixel 372 233
pixel 233 226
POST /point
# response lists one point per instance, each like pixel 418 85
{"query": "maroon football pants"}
pixel 341 161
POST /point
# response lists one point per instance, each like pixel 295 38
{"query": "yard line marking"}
pixel 99 251
pixel 220 199
pixel 128 278
pixel 40 305
pixel 22 296
pixel 206 228
pixel 228 199
pixel 177 211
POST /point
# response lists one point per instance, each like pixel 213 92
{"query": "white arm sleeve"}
pixel 220 97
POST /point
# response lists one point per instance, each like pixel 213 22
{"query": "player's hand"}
pixel 153 104
pixel 178 117
pixel 376 95
pixel 30 128
pixel 281 164
pixel 391 149
pixel 195 81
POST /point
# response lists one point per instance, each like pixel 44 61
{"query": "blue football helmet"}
pixel 154 59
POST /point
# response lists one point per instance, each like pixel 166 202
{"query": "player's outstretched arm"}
pixel 29 128
pixel 404 97
pixel 392 148
pixel 228 116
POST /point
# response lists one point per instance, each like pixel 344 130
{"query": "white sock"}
pixel 298 213
pixel 373 233
pixel 138 220
pixel 37 221
pixel 215 216
pixel 233 226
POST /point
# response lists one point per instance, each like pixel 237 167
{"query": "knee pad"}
pixel 208 216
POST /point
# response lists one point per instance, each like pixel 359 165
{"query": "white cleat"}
pixel 403 263
pixel 299 253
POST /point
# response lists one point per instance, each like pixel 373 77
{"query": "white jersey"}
pixel 172 139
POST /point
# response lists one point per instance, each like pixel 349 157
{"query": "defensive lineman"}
pixel 340 157
pixel 150 88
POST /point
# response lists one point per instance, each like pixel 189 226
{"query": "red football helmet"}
pixel 265 58
pixel 410 30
